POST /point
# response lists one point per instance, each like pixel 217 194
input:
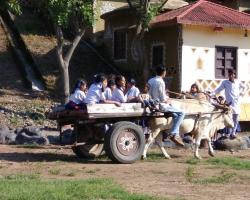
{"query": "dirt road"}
pixel 156 176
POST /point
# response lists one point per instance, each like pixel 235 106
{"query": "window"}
pixel 120 44
pixel 157 55
pixel 225 59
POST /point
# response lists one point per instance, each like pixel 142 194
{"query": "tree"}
pixel 65 13
pixel 145 10
pixel 11 5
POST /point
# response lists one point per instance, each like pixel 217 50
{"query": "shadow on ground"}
pixel 47 157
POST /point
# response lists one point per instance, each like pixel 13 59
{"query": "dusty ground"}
pixel 160 177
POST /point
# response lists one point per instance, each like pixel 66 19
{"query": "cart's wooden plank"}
pixel 112 108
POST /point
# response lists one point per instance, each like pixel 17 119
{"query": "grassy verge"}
pixel 32 187
pixel 223 178
pixel 231 162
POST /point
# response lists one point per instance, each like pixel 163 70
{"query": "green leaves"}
pixel 11 5
pixel 146 10
pixel 153 10
pixel 64 11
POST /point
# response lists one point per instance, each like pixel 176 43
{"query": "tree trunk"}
pixel 65 59
pixel 66 83
pixel 64 69
pixel 141 49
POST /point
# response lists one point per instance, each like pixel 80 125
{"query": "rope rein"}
pixel 219 105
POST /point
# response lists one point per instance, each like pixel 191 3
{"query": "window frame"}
pixel 163 52
pixel 224 59
pixel 126 44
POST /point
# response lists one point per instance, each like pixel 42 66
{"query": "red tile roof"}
pixel 204 13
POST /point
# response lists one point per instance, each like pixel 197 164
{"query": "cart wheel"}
pixel 89 151
pixel 124 143
pixel 91 146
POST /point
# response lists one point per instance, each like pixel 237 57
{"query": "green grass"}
pixel 189 174
pixel 93 171
pixel 30 187
pixel 192 161
pixel 54 171
pixel 223 178
pixel 231 162
pixel 155 156
pixel 71 174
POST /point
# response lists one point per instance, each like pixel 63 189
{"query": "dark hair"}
pixel 118 78
pixel 196 86
pixel 132 81
pixel 111 82
pixel 78 84
pixel 99 78
pixel 159 70
pixel 231 71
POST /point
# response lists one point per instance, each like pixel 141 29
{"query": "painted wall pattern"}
pixel 198 59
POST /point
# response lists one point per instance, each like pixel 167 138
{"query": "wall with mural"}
pixel 198 56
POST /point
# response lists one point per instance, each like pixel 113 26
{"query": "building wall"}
pixel 101 7
pixel 120 21
pixel 167 36
pixel 198 53
pixel 198 57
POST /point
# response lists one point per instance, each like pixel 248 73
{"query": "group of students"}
pixel 117 91
pixel 114 90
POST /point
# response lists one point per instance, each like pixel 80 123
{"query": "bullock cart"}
pixel 105 126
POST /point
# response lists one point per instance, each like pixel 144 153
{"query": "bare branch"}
pixel 130 4
pixel 59 48
pixel 74 44
pixel 162 4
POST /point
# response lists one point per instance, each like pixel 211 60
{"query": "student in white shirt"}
pixel 133 92
pixel 76 99
pixel 96 91
pixel 157 92
pixel 109 89
pixel 233 92
pixel 118 93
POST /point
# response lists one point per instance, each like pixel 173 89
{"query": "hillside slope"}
pixel 41 42
pixel 18 106
pixel 10 77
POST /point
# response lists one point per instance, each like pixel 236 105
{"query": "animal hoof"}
pixel 168 157
pixel 198 157
pixel 143 158
pixel 211 153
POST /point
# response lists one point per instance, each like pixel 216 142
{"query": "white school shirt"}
pixel 78 96
pixel 233 91
pixel 95 94
pixel 119 96
pixel 157 89
pixel 132 92
pixel 108 93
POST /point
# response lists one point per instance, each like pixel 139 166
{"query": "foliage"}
pixel 64 10
pixel 11 5
pixel 31 188
pixel 146 10
pixel 148 16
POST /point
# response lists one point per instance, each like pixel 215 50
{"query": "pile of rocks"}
pixel 34 136
pixel 239 143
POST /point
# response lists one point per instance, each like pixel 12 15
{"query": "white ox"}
pixel 202 120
